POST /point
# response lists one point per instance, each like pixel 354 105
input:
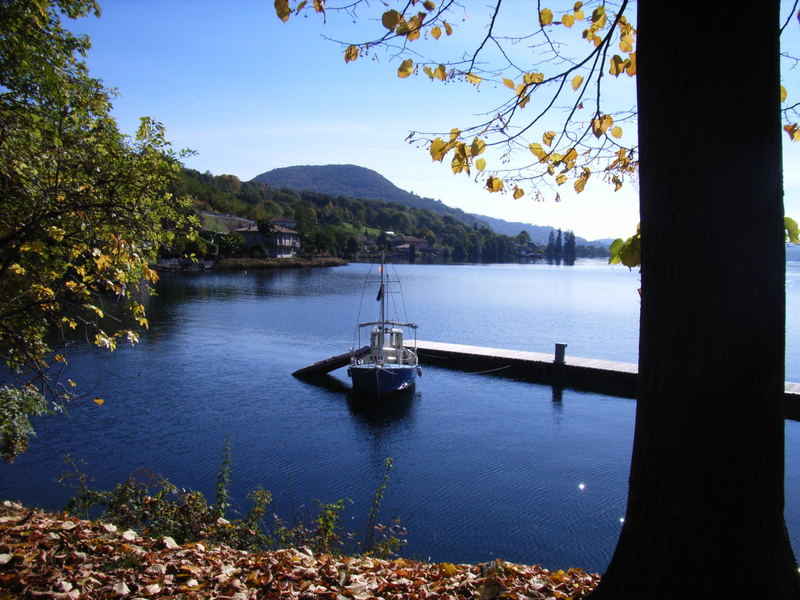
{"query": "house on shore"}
pixel 281 240
pixel 284 241
pixel 409 246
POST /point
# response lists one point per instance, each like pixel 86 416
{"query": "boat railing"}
pixel 387 323
pixel 391 356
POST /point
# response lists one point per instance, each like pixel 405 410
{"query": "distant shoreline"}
pixel 246 263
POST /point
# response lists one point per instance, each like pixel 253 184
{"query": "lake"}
pixel 484 467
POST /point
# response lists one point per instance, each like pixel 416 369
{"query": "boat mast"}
pixel 383 292
pixel 383 289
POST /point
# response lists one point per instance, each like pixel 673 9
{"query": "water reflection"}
pixel 373 413
pixel 327 382
pixel 377 414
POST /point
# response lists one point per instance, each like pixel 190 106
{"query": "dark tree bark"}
pixel 706 497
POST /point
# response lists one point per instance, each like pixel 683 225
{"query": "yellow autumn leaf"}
pixel 319 6
pixel 282 10
pixel 568 20
pixel 438 149
pixel 390 19
pixel 99 401
pixel 493 184
pixel 72 383
pixel 617 65
pixel 454 133
pixel 532 78
pixel 784 94
pixel 405 69
pixel 480 164
pixel 104 341
pixel 630 65
pixel 413 33
pixel 103 261
pixel 580 182
pixel 429 6
pixel 474 79
pixel 570 156
pixel 436 32
pixel 577 81
pixel 59 358
pixel 440 73
pixel 448 29
pixel 448 569
pixel 617 132
pixel 794 132
pixel 548 137
pixel 17 269
pixel 626 43
pixel 545 17
pixel 577 6
pixel 37 247
pixel 459 163
pixel 561 179
pixel 518 192
pixel 98 311
pixel 477 147
pixel 538 151
pixel 508 83
pixel 351 53
pixel 56 233
pixel 579 16
pixel 599 16
pixel 601 124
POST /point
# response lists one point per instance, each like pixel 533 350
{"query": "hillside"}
pixel 359 182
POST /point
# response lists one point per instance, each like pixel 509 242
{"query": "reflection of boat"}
pixel 389 366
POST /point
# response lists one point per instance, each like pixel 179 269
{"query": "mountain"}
pixel 357 182
pixel 360 182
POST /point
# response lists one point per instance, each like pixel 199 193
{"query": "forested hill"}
pixel 360 182
pixel 344 225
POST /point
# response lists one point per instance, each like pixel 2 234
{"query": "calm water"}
pixel 485 467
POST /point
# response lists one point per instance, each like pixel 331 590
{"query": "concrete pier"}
pixel 559 369
pixel 330 364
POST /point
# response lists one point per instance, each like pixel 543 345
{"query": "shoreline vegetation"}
pixel 56 555
pixel 276 263
pixel 247 263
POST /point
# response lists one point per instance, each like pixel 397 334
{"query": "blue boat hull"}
pixel 376 380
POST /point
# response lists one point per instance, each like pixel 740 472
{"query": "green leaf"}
pixel 792 230
pixel 627 252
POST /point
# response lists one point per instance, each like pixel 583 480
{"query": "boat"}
pixel 390 367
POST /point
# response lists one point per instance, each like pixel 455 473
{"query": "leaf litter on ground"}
pixel 61 557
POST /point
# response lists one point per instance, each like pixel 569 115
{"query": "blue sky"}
pixel 249 94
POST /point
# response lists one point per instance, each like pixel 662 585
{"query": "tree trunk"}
pixel 705 503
